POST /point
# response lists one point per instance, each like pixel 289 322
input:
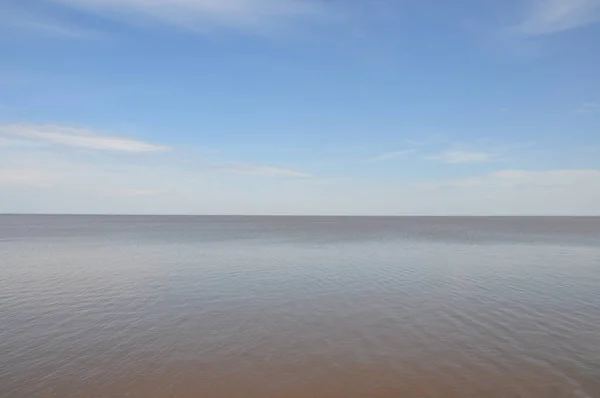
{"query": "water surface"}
pixel 299 307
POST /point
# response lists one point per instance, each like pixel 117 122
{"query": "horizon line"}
pixel 304 215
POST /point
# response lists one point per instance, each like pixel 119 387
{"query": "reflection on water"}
pixel 299 307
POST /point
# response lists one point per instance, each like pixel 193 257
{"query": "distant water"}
pixel 299 307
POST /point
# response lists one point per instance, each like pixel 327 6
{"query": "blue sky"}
pixel 300 107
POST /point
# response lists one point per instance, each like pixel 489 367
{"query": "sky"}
pixel 324 107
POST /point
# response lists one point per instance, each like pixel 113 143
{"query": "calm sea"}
pixel 290 307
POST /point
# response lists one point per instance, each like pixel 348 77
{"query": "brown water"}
pixel 299 307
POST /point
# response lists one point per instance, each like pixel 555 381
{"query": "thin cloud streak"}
pixel 23 19
pixel 265 171
pixel 458 156
pixel 22 177
pixel 78 138
pixel 197 14
pixel 589 107
pixel 48 28
pixel 553 16
pixel 525 179
pixel 15 143
pixel 392 155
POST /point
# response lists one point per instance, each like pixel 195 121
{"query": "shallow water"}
pixel 299 307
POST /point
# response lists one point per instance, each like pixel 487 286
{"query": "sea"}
pixel 299 307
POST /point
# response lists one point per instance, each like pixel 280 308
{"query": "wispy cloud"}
pixel 57 182
pixel 552 16
pixel 526 178
pixel 519 192
pixel 459 156
pixel 133 192
pixel 197 14
pixel 50 28
pixel 22 18
pixel 77 137
pixel 589 107
pixel 21 176
pixel 392 155
pixel 13 143
pixel 261 170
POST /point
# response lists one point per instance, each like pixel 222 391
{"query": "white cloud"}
pixel 50 181
pixel 13 143
pixel 53 28
pixel 589 107
pixel 527 179
pixel 22 176
pixel 260 170
pixel 518 192
pixel 456 156
pixel 552 16
pixel 195 14
pixel 24 18
pixel 45 180
pixel 56 183
pixel 392 155
pixel 133 192
pixel 77 137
